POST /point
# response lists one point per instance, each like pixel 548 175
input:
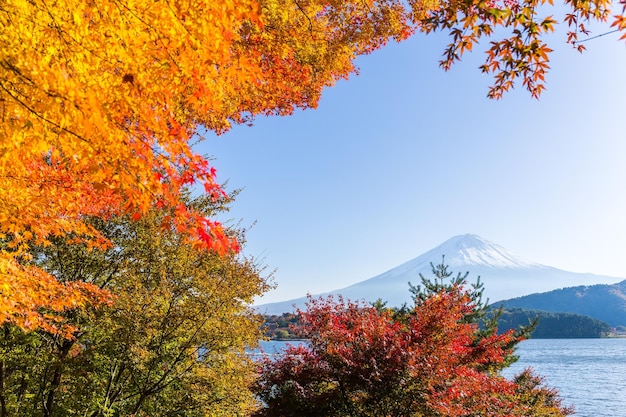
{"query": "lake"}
pixel 589 373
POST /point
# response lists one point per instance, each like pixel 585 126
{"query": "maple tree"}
pixel 173 343
pixel 431 360
pixel 100 102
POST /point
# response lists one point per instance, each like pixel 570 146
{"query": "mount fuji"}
pixel 503 274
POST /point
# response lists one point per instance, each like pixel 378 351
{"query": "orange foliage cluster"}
pixel 99 100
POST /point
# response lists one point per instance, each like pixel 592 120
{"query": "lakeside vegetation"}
pixel 440 356
pixel 281 327
pixel 550 325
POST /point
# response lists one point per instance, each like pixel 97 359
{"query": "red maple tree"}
pixel 431 360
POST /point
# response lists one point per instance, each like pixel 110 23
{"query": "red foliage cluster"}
pixel 429 361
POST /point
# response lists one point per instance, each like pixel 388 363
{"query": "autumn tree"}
pixel 173 343
pixel 100 102
pixel 430 360
pixel 485 316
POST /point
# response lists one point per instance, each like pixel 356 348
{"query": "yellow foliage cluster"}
pixel 173 343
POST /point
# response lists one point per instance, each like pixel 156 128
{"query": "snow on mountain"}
pixel 504 275
pixel 472 250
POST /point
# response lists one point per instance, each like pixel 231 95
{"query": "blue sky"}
pixel 404 156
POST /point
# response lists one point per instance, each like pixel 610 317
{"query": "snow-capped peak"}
pixel 472 250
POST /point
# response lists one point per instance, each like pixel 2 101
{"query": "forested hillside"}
pixel 554 325
pixel 603 302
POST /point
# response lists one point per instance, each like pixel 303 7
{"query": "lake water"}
pixel 590 374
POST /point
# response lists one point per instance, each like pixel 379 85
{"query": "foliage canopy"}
pixel 100 101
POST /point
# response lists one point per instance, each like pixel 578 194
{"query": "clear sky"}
pixel 404 156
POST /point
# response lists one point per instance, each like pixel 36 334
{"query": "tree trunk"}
pixel 3 402
pixel 48 406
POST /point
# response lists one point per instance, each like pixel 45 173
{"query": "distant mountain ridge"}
pixel 504 275
pixel 602 302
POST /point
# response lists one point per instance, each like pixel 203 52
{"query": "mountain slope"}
pixel 602 302
pixel 504 274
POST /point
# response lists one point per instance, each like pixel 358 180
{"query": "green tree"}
pixel 171 344
pixel 482 314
